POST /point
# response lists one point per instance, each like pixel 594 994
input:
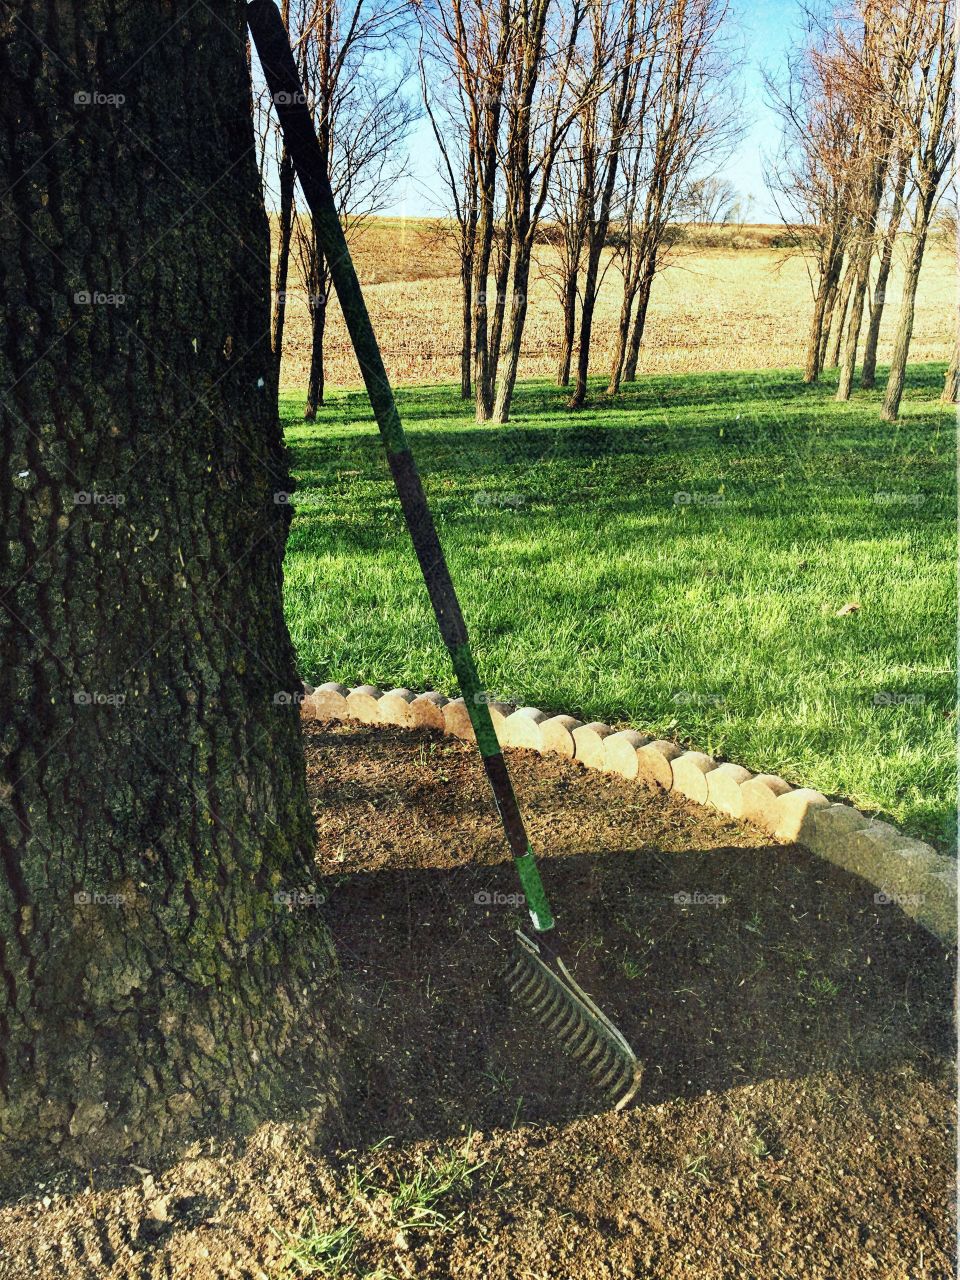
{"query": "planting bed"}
pixel 795 1114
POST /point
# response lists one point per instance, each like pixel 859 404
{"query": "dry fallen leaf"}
pixel 852 607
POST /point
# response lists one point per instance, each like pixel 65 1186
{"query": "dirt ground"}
pixel 795 1117
pixel 714 309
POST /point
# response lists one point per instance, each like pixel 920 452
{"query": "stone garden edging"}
pixel 906 872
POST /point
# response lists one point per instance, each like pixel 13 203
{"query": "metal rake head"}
pixel 583 1030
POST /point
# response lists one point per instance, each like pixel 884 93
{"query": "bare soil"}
pixel 796 1112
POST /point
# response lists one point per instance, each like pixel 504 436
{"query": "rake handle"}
pixel 296 121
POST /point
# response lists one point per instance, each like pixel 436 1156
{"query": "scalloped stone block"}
pixel 620 752
pixel 499 713
pixel 653 763
pixel 328 702
pixel 588 743
pixel 363 703
pixel 522 729
pixel 456 720
pixel 395 707
pixel 906 874
pixel 759 799
pixel 556 734
pixel 830 831
pixel 426 711
pixel 723 788
pixel 795 811
pixel 690 774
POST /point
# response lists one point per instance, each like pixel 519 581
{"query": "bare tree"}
pixel 812 181
pixel 930 122
pixel 623 43
pixel 541 103
pixel 566 235
pixel 868 375
pixel 363 116
pixel 948 234
pixel 690 128
pixel 449 121
pixel 875 52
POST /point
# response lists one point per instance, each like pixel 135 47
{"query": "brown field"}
pixel 744 306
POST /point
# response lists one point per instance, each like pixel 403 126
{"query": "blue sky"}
pixel 766 28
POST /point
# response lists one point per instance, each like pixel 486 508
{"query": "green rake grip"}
pixel 286 91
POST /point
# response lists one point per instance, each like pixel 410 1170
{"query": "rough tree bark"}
pixel 153 808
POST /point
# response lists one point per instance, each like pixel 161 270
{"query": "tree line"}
pixel 868 153
pixel 592 125
pixel 598 128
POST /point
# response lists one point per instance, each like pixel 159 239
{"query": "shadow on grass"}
pixel 538 398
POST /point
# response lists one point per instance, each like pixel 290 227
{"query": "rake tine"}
pixel 575 1021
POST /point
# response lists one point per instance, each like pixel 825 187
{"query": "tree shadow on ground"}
pixel 649 392
pixel 722 968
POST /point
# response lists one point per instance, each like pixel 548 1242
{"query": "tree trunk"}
pixel 828 323
pixel 839 325
pixel 630 284
pixel 569 302
pixel 868 376
pixel 482 382
pixel 951 384
pixel 825 291
pixel 586 319
pixel 504 258
pixel 466 342
pixel 639 323
pixel 518 314
pixel 858 297
pixel 284 233
pixel 152 792
pixel 318 320
pixel 901 343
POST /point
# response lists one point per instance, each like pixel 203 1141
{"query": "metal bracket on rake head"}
pixel 584 1031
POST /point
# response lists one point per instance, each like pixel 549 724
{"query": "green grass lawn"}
pixel 673 560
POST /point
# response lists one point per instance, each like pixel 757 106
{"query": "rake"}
pixel 537 975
